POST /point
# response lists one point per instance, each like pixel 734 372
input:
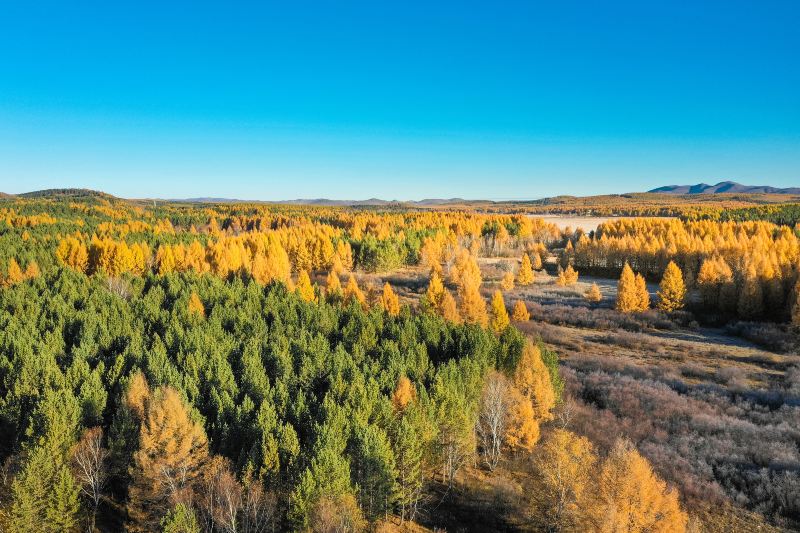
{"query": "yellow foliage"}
pixel 389 300
pixel 499 321
pixel 672 291
pixel 532 379
pixel 172 450
pixel 304 288
pixel 525 275
pixel 14 274
pixel 472 308
pixel 642 293
pixel 520 312
pixel 633 499
pixel 593 294
pixel 353 292
pixel 507 283
pixel 628 297
pixel 536 262
pixel 522 431
pixel 448 308
pixel 332 284
pixel 566 277
pixel 73 253
pixel 566 466
pixel 404 394
pixel 196 305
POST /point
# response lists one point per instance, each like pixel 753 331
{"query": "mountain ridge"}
pixel 723 187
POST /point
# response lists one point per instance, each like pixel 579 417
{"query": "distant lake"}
pixel 587 224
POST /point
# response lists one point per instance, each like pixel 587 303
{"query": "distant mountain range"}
pixel 724 187
pixel 728 187
pixel 328 202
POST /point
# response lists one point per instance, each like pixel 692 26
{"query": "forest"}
pixel 237 367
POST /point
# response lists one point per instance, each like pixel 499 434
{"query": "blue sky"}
pixel 404 100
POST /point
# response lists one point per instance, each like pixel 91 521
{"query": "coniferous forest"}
pixel 226 368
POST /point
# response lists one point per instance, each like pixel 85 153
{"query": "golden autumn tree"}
pixel 435 292
pixel 304 288
pixel 565 464
pixel 520 312
pixel 532 379
pixel 472 307
pixel 196 305
pixel 172 451
pixel 448 309
pixel 522 427
pixel 73 253
pixel 525 275
pixel 499 315
pixel 628 298
pixel 333 286
pixel 593 293
pixel 165 259
pixel 672 291
pixel 631 497
pixel 507 282
pixel 389 301
pixel 14 273
pixel 31 270
pixel 566 277
pixel 536 262
pixel 404 394
pixel 353 292
pixel 642 293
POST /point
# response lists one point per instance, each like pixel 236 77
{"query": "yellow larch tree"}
pixel 672 291
pixel 389 301
pixel 507 282
pixel 448 309
pixel 536 262
pixel 73 253
pixel 522 429
pixel 14 274
pixel 404 394
pixel 565 464
pixel 642 293
pixel 435 290
pixel 196 305
pixel 31 270
pixel 628 299
pixel 172 451
pixel 499 314
pixel 472 307
pixel 353 292
pixel 593 293
pixel 520 312
pixel 631 497
pixel 333 286
pixel 525 275
pixel 566 277
pixel 532 379
pixel 304 288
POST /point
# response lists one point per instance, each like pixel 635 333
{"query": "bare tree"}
pixel 90 466
pixel 258 508
pixel 493 418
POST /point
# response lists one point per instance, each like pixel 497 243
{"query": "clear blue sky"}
pixel 401 100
